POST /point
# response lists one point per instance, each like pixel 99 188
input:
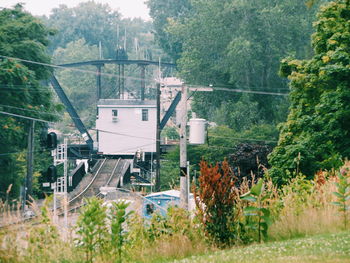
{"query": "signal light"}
pixel 51 141
pixel 52 173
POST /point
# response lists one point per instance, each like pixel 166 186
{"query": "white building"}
pixel 126 126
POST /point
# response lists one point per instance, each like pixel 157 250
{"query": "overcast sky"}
pixel 128 8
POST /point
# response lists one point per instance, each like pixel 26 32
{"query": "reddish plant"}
pixel 215 200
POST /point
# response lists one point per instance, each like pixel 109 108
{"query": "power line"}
pixel 218 88
pixel 123 134
pixel 24 117
pixel 24 151
pixel 241 138
pixel 251 91
pixel 141 137
pixel 68 68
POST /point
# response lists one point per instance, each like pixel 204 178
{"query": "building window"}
pixel 115 113
pixel 144 115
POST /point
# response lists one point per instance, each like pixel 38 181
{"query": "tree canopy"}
pixel 21 36
pixel 316 134
pixel 235 44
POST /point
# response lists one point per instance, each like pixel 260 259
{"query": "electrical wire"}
pixel 24 151
pixel 67 68
pixel 217 88
pixel 24 117
pixel 241 138
pixel 140 137
pixel 123 134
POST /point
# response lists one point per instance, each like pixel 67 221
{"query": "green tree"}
pixel 21 36
pixel 222 142
pixel 92 21
pixel 315 135
pixel 163 13
pixel 238 44
pixel 79 86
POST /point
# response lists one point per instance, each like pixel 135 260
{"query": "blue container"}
pixel 159 202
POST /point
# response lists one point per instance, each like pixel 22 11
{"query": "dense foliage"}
pixel 21 36
pixel 163 13
pixel 235 44
pixel 245 151
pixel 249 159
pixel 316 134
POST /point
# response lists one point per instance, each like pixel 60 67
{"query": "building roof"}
pixel 117 102
pixel 173 193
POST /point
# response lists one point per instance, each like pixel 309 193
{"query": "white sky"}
pixel 128 8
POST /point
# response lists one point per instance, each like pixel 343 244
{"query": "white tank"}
pixel 197 131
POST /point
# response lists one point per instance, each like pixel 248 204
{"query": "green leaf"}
pixel 251 209
pixel 337 203
pixel 264 198
pixel 246 194
pixel 265 211
pixel 249 198
pixel 257 189
pixel 250 214
pixel 338 194
pixel 267 220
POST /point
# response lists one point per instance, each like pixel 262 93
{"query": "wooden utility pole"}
pixel 158 140
pixel 30 161
pixel 183 151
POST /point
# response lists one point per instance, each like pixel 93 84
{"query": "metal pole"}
pixel 30 161
pixel 55 203
pixel 183 151
pixel 98 82
pixel 143 74
pixel 65 167
pixel 158 140
pixel 151 172
pixel 119 91
pixel 123 82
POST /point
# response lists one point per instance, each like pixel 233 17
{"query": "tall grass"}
pixel 301 208
pixel 306 209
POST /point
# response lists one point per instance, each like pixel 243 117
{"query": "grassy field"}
pixel 322 248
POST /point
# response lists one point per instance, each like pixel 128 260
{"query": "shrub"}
pixel 91 228
pixel 118 217
pixel 215 201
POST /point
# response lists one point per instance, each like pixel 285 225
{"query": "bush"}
pixel 215 201
pixel 91 229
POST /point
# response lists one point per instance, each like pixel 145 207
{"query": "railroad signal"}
pixel 51 141
pixel 52 174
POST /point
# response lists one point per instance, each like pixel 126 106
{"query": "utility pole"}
pixel 158 140
pixel 30 162
pixel 183 151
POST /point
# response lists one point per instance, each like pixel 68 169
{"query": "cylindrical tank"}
pixel 197 131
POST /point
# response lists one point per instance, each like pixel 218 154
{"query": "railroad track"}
pixel 106 172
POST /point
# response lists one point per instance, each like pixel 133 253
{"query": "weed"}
pixel 343 194
pixel 257 196
pixel 91 228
